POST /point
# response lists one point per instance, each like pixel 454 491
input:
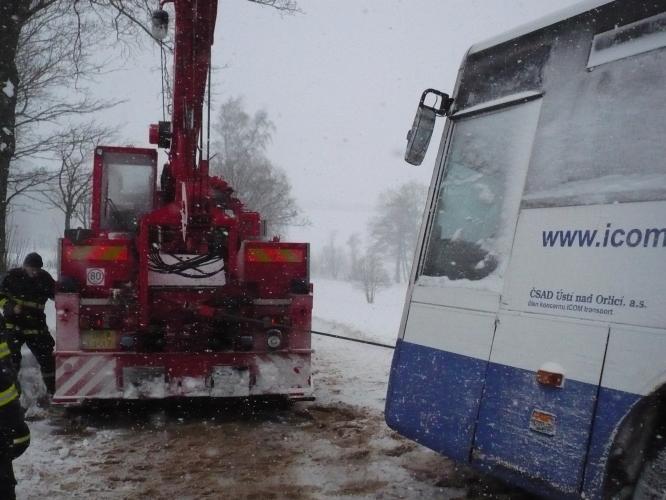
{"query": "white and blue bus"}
pixel 533 341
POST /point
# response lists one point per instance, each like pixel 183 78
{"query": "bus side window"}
pixel 605 150
pixel 480 193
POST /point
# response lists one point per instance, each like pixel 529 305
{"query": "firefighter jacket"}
pixel 14 433
pixel 18 288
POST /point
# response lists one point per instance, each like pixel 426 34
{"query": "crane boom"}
pixel 195 27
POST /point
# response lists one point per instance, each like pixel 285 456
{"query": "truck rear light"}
pixel 113 253
pixel 270 321
pixel 267 254
pixel 274 339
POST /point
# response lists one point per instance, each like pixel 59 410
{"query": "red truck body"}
pixel 174 291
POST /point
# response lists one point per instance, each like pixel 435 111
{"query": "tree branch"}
pixel 285 6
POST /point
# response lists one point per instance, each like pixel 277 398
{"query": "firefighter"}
pixel 23 293
pixel 14 433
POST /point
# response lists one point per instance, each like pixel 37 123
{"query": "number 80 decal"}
pixel 95 276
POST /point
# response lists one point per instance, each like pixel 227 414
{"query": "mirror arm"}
pixel 445 102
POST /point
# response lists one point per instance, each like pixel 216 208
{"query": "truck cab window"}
pixel 478 198
pixel 129 186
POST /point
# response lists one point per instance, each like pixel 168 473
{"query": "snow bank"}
pixel 341 308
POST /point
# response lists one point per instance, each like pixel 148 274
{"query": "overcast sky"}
pixel 341 82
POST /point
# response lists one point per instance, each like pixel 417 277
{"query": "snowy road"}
pixel 335 447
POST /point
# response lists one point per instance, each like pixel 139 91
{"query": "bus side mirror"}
pixel 418 138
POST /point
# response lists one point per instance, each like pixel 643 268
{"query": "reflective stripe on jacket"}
pixel 8 395
pixel 24 303
pixel 14 433
pixel 26 331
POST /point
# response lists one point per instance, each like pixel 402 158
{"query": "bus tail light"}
pixel 550 379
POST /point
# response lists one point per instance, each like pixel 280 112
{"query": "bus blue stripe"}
pixel 504 438
pixel 433 398
pixel 612 407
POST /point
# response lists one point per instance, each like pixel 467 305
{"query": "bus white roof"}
pixel 542 22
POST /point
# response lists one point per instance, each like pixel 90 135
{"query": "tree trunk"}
pixel 10 28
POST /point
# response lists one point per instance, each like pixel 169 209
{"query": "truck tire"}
pixel 651 483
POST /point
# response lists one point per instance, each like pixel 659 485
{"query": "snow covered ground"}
pixel 335 447
pixel 340 307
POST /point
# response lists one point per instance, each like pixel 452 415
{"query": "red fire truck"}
pixel 173 291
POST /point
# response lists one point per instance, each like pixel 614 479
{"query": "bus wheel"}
pixel 651 483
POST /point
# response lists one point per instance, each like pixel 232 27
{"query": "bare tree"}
pixel 48 47
pixel 331 262
pixel 287 6
pixel 49 62
pixel 371 276
pixel 395 227
pixel 354 246
pixel 50 51
pixel 70 188
pixel 25 180
pixel 17 245
pixel 241 160
pixel 84 211
pixel 43 53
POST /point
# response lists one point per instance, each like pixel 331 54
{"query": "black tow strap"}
pixel 369 342
pixel 279 325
